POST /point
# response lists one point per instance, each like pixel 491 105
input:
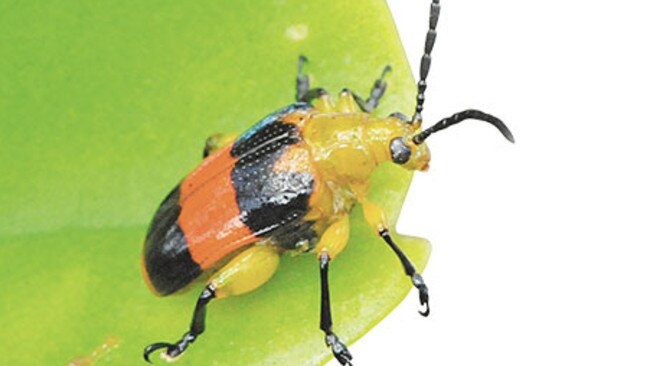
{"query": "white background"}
pixel 541 250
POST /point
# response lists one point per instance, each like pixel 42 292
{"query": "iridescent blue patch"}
pixel 272 118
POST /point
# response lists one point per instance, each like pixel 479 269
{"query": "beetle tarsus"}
pixel 410 271
pixel 196 328
pixel 173 350
pixel 339 349
pixel 154 347
pixel 418 282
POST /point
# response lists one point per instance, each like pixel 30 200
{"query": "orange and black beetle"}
pixel 286 184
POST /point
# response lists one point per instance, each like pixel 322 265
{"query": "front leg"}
pixel 377 91
pixel 332 242
pixel 376 219
pixel 416 278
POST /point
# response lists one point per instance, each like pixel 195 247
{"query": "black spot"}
pixel 272 204
pixel 166 256
pixel 248 138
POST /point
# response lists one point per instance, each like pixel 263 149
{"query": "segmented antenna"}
pixel 425 62
pixel 460 117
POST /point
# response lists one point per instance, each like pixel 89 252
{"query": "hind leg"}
pixel 246 272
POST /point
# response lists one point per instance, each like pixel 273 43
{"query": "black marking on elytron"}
pixel 248 138
pixel 272 204
pixel 167 259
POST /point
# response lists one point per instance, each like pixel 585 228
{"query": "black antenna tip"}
pixel 461 116
pixel 498 124
pixel 485 117
pixel 509 136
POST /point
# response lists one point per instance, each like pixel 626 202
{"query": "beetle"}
pixel 288 184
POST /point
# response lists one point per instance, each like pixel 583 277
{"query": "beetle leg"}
pixel 335 238
pixel 303 92
pixel 376 219
pixel 400 116
pixel 302 81
pixel 346 102
pixel 377 91
pixel 246 272
pixel 215 141
pixel 196 328
pixel 332 242
pixel 312 94
pixel 410 271
pixel 339 349
pixel 324 103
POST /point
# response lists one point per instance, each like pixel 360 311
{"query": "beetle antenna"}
pixel 460 117
pixel 425 61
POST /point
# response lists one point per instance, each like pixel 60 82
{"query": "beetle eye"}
pixel 399 151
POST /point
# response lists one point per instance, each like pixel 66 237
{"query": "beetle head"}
pixel 407 147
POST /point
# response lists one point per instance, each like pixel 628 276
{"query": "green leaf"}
pixel 104 106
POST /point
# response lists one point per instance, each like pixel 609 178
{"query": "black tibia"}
pixel 303 92
pixel 377 91
pixel 196 328
pixel 339 349
pixel 417 280
pixel 302 81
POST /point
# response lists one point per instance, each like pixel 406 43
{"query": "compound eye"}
pixel 399 151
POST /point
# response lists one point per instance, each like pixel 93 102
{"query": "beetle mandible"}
pixel 287 184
